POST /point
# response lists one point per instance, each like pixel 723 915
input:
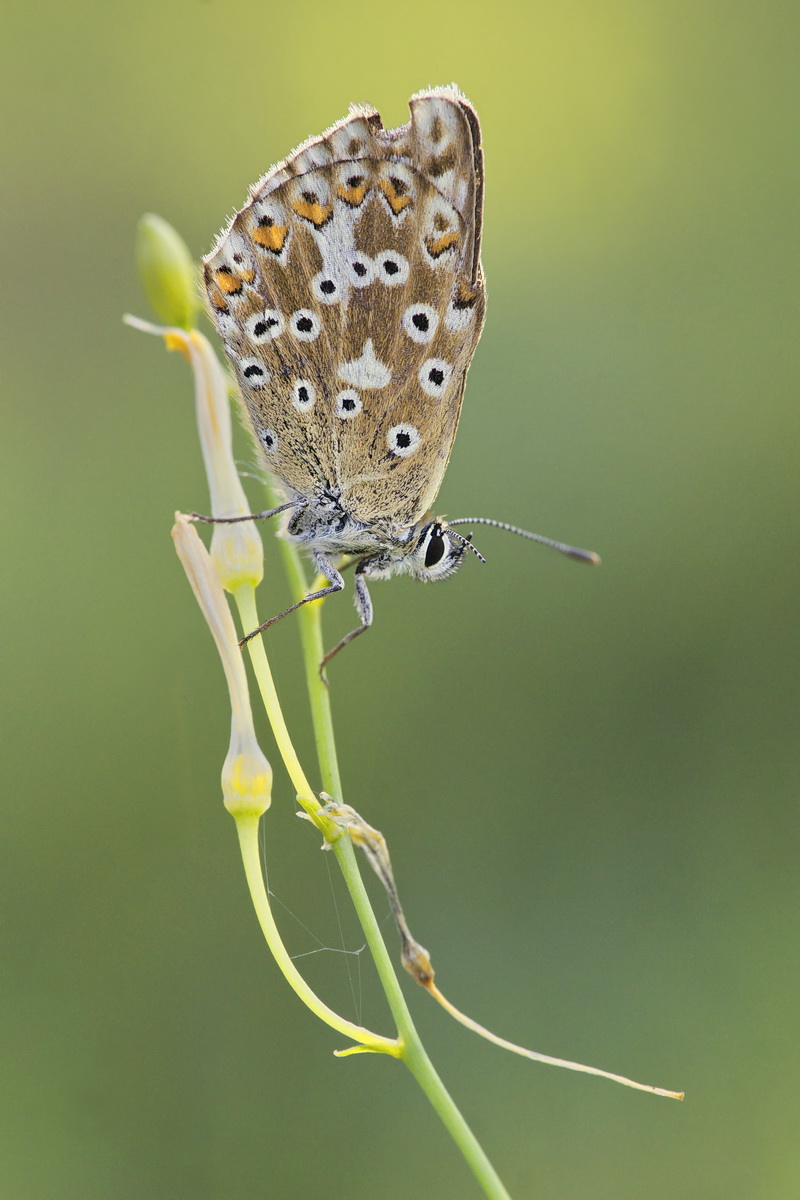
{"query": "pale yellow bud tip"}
pixel 237 553
pixel 246 782
pixel 167 272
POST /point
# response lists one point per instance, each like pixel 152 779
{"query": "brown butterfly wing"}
pixel 349 296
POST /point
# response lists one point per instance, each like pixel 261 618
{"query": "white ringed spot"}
pixel 403 440
pixel 392 269
pixel 360 269
pixel 325 288
pixel 252 372
pixel 348 404
pixel 434 376
pixel 268 440
pixel 305 325
pixel 303 395
pixel 264 326
pixel 420 321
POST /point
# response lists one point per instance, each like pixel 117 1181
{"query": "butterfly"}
pixel 349 297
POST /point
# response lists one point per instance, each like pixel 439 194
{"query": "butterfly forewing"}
pixel 349 296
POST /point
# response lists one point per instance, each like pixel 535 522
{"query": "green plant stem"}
pixel 412 1052
pixel 246 603
pixel 311 639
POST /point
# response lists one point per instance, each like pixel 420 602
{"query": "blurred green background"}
pixel 588 779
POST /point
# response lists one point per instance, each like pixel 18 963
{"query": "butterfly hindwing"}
pixel 349 296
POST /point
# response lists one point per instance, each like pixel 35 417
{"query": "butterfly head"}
pixel 438 552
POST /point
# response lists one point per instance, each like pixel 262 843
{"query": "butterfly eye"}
pixel 438 553
pixel 435 549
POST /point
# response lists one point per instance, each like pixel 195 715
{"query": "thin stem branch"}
pixel 247 829
pixel 309 617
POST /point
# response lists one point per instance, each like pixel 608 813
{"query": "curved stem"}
pixel 247 829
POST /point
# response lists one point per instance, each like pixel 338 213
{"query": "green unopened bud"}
pixel 166 270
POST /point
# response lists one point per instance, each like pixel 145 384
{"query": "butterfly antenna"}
pixel 465 541
pixel 587 556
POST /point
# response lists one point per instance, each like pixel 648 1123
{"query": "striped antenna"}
pixel 575 552
pixel 465 541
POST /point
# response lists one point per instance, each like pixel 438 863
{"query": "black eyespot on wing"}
pixel 392 268
pixel 420 322
pixel 360 271
pixel 264 326
pixel 324 288
pixel 348 404
pixel 303 395
pixel 403 440
pixel 305 325
pixel 252 373
pixel 434 376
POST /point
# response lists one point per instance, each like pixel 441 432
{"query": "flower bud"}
pixel 236 550
pixel 167 272
pixel 246 775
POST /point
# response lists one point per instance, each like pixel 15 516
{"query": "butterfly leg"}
pixel 259 516
pixel 324 567
pixel 364 610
